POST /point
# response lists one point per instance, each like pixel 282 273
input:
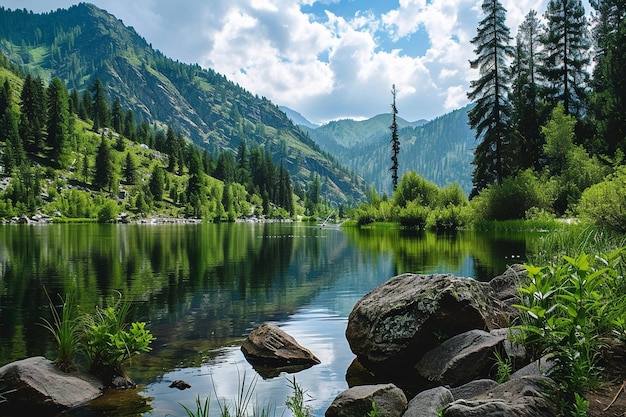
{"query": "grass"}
pixel 66 329
pixel 242 404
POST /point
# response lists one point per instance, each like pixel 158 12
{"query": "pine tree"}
pixel 103 176
pixel 566 45
pixel 58 123
pixel 608 81
pixel 157 183
pixel 490 116
pixel 117 116
pixel 171 148
pixel 99 106
pixel 527 108
pixel 130 169
pixel 395 140
pixel 32 123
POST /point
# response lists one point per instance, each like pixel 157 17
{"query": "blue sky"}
pixel 327 59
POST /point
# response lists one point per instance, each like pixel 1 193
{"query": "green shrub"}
pixel 604 204
pixel 445 218
pixel 109 342
pixel 107 211
pixel 414 215
pixel 512 199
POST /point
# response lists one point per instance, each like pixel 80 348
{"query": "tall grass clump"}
pixel 65 327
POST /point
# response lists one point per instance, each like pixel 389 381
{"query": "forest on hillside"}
pixel 83 42
pixel 72 155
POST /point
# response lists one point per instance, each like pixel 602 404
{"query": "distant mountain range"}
pixel 440 150
pixel 84 42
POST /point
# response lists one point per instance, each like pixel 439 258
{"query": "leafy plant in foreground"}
pixel 109 342
pixel 566 307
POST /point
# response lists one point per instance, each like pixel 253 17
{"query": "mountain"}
pixel 83 42
pixel 297 118
pixel 440 150
pixel 336 136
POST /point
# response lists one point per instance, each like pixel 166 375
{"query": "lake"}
pixel 203 287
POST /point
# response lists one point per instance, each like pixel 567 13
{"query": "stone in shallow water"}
pixel 268 345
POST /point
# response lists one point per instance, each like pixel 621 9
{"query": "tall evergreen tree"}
pixel 117 116
pixel 285 190
pixel 130 169
pixel 609 82
pixel 9 130
pixel 99 106
pixel 171 148
pixel 103 175
pixel 490 116
pixel 527 107
pixel 32 124
pixel 58 123
pixel 395 140
pixel 566 45
pixel 157 183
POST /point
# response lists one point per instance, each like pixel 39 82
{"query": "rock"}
pixel 505 285
pixel 520 397
pixel 357 401
pixel 473 389
pixel 460 359
pixel 35 383
pixel 539 367
pixel 269 345
pixel 180 384
pixel 429 403
pixel 394 325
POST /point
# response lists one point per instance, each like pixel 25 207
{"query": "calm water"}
pixel 203 288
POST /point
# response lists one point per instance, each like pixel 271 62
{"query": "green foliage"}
pixel 107 212
pixel 413 187
pixel 513 198
pixel 108 340
pixel 296 402
pixel 604 204
pixel 413 215
pixel 566 307
pixel 504 366
pixel 65 327
pixel 374 412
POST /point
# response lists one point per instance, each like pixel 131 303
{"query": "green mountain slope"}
pixel 441 150
pixel 84 42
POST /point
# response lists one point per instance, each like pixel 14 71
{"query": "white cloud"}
pixel 328 66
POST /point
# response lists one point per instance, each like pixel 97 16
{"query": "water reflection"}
pixel 203 288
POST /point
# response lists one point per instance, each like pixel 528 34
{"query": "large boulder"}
pixel 390 401
pixel 268 345
pixel 36 384
pixel 395 324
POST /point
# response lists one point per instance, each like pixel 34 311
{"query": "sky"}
pixel 326 59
